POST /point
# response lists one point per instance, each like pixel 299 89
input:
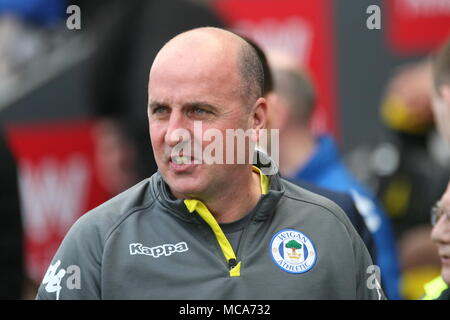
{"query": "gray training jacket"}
pixel 144 244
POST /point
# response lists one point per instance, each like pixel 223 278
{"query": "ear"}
pixel 259 115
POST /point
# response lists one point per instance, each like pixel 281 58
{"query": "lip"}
pixel 445 260
pixel 181 168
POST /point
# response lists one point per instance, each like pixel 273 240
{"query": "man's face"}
pixel 187 90
pixel 441 110
pixel 441 235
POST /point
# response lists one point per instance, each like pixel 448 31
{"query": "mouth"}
pixel 445 259
pixel 180 160
pixel 181 164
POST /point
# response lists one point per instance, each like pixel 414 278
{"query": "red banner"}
pixel 417 26
pixel 57 183
pixel 299 28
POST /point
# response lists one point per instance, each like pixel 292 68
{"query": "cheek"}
pixel 440 109
pixel 446 274
pixel 156 135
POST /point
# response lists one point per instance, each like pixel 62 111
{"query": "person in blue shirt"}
pixel 316 159
pixel 342 199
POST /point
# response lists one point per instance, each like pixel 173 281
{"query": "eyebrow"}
pixel 201 104
pixel 194 104
pixel 155 104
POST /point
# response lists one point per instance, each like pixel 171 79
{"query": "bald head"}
pixel 441 67
pixel 213 50
pixel 294 86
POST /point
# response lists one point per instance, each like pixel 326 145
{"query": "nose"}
pixel 178 129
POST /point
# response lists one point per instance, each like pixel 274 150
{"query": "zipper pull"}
pixel 232 263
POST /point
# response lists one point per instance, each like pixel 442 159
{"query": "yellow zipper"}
pixel 227 250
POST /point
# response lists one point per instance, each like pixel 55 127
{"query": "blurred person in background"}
pixel 440 235
pixel 441 90
pixel 12 276
pixel 306 157
pixel 344 200
pixel 417 180
pixel 411 178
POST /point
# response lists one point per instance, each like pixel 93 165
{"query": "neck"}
pixel 231 204
pixel 298 146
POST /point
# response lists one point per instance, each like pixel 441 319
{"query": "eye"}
pixel 199 112
pixel 160 109
pixel 159 112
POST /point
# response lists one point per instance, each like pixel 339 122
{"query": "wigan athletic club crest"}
pixel 293 251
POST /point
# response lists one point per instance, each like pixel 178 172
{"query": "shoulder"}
pixel 105 218
pixel 83 246
pixel 300 198
pixel 344 200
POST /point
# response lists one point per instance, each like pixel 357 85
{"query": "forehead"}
pixel 188 71
pixel 181 91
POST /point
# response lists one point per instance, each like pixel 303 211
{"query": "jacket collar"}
pixel 264 208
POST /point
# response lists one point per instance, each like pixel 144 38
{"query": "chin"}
pixel 184 192
pixel 183 188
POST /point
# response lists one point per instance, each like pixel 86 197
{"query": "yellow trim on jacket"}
pixel 227 250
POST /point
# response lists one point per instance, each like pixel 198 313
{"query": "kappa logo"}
pixel 54 276
pixel 293 251
pixel 156 252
